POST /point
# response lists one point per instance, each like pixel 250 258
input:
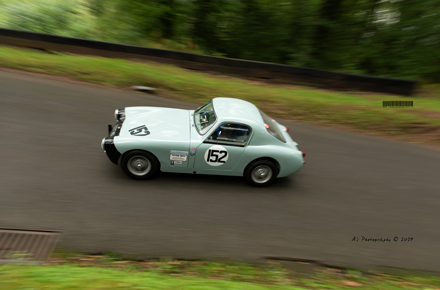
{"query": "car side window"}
pixel 230 134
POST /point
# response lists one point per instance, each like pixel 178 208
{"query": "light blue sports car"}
pixel 225 136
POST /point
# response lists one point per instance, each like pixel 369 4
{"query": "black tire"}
pixel 139 165
pixel 261 173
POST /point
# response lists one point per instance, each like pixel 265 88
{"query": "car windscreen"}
pixel 204 118
pixel 272 127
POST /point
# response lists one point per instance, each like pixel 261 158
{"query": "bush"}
pixel 45 16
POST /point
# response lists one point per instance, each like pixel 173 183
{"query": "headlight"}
pixel 102 143
pixel 120 115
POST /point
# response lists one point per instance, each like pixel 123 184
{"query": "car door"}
pixel 221 150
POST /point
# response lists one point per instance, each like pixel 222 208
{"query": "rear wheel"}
pixel 139 165
pixel 261 173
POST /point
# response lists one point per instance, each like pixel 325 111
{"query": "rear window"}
pixel 272 127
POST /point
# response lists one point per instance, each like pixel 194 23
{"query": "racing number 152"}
pixel 216 155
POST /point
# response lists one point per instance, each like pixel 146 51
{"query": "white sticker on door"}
pixel 178 157
pixel 216 155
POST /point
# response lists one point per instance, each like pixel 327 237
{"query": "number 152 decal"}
pixel 216 155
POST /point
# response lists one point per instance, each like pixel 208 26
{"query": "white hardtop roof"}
pixel 236 110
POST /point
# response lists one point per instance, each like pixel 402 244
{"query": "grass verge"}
pixel 78 271
pixel 352 110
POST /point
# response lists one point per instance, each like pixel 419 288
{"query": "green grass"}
pixel 74 277
pixel 360 111
pixel 109 271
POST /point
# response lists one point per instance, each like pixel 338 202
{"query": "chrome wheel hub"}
pixel 262 174
pixel 139 165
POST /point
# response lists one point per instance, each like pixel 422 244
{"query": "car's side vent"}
pixel 26 246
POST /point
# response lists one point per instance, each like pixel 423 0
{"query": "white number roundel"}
pixel 216 155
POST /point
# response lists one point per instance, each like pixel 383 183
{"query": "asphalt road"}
pixel 54 176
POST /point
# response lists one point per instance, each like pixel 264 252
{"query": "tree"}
pixel 325 37
pixel 167 17
pixel 205 29
pixel 44 16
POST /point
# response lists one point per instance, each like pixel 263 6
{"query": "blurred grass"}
pixel 74 277
pixel 109 271
pixel 356 110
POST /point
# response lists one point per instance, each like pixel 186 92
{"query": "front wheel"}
pixel 261 173
pixel 139 165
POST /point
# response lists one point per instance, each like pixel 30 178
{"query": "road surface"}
pixel 54 176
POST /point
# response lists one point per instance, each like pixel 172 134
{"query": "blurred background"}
pixel 393 38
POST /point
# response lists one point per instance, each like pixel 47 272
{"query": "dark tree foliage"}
pixel 418 32
pixel 167 17
pixel 155 17
pixel 300 26
pixel 259 31
pixel 326 34
pixel 205 30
